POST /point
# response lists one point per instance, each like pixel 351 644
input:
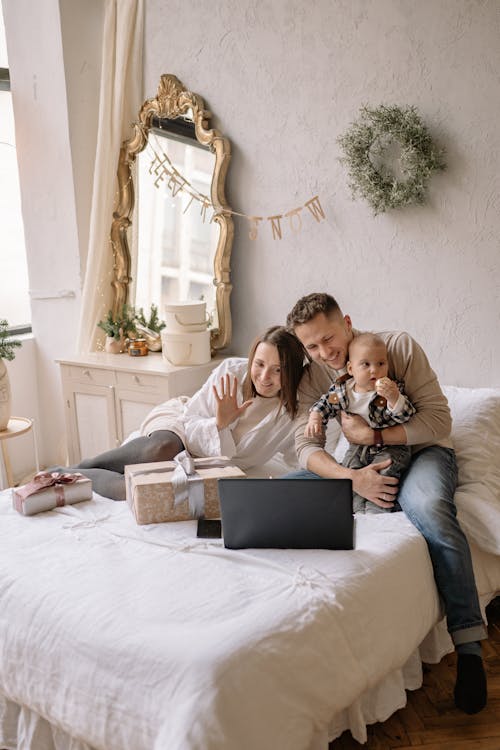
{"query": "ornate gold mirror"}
pixel 172 210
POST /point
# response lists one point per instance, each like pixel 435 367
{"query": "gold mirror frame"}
pixel 171 102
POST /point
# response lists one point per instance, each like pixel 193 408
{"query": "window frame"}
pixel 15 330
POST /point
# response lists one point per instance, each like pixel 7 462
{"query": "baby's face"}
pixel 367 363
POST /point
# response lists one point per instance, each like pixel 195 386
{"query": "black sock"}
pixel 474 647
pixel 470 688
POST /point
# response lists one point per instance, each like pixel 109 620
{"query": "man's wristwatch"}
pixel 379 440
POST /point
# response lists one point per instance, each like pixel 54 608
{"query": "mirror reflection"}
pixel 176 240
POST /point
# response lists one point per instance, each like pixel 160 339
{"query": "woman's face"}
pixel 266 370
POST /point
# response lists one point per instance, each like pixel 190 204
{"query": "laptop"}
pixel 287 513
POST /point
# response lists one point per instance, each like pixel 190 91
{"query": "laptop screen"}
pixel 287 513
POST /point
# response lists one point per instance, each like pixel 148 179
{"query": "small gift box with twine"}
pixel 177 490
pixel 48 490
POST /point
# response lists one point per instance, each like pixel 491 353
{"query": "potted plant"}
pixel 117 328
pixel 150 328
pixel 153 322
pixel 7 347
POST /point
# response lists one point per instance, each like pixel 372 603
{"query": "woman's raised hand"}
pixel 227 409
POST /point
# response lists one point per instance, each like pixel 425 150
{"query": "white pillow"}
pixel 476 439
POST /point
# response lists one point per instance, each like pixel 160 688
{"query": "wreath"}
pixel 377 134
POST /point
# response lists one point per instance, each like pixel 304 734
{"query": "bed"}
pixel 115 636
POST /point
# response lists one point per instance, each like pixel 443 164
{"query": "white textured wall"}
pixel 284 79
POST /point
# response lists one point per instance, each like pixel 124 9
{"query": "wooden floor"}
pixel 430 720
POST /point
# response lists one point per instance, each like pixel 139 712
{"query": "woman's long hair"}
pixel 292 358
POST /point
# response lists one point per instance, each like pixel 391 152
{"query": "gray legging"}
pixel 107 469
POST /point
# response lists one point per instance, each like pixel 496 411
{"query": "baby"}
pixel 367 390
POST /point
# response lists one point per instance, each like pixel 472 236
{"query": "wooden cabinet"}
pixel 108 395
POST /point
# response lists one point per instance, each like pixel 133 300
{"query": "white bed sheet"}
pixel 146 638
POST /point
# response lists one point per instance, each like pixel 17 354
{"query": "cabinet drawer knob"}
pixel 87 373
pixel 137 379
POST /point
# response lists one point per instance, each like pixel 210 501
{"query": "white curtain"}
pixel 120 100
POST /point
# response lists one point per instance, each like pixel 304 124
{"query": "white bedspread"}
pixel 146 638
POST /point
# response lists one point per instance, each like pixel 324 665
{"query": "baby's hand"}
pixel 388 389
pixel 314 427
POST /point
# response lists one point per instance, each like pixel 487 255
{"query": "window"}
pixel 14 294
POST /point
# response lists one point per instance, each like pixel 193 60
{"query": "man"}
pixel 427 490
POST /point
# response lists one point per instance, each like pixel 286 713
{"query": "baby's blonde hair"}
pixel 368 339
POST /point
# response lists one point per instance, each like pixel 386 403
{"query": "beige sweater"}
pixel 431 425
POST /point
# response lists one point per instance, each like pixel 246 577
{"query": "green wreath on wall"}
pixel 367 144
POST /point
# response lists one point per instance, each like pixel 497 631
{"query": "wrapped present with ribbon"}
pixel 51 489
pixel 177 490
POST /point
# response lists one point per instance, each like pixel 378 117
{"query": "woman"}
pixel 244 411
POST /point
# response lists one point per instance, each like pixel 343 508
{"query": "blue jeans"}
pixel 426 496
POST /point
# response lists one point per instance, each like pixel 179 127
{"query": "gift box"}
pixel 177 490
pixel 48 490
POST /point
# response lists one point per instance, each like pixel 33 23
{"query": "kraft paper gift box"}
pixel 48 490
pixel 161 491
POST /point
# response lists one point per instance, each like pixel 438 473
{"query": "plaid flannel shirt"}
pixel 379 416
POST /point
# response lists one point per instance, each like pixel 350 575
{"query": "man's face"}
pixel 326 339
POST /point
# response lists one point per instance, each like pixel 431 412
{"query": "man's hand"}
pixel 372 485
pixel 359 432
pixel 356 429
pixel 227 409
pixel 314 426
